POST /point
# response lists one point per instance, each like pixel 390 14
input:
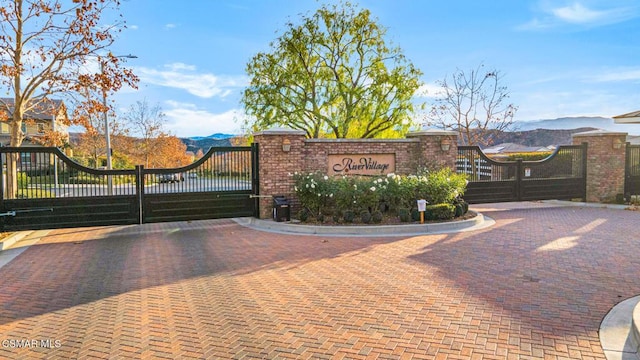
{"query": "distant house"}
pixel 36 122
pixel 630 118
pixel 510 148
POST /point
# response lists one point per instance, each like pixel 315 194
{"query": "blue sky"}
pixel 558 58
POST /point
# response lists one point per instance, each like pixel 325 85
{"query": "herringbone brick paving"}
pixel 535 285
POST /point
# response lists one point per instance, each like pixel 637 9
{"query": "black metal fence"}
pixel 562 175
pixel 43 188
pixel 632 171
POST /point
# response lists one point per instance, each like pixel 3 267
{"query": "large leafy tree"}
pixel 44 45
pixel 332 75
pixel 473 103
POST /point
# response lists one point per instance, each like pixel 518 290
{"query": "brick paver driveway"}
pixel 535 285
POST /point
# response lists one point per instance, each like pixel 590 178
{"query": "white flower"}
pixel 307 186
pixel 373 188
pixel 355 186
pixel 295 188
pixel 330 195
pixel 295 173
pixel 326 177
pixel 319 195
pixel 313 186
pixel 391 175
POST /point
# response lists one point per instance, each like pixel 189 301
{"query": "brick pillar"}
pixel 276 164
pixel 605 163
pixel 432 147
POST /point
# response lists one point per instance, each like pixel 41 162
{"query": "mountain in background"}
pixel 196 143
pixel 216 136
pixel 537 137
pixel 567 123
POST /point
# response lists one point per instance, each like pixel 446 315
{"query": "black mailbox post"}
pixel 281 210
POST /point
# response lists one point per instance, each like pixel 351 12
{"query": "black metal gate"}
pixel 44 189
pixel 632 171
pixel 560 176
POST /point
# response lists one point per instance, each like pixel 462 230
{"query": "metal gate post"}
pixel 519 179
pixel 3 157
pixel 255 181
pixel 140 191
pixel 585 149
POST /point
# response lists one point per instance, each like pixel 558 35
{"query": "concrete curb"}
pixel 14 238
pixel 619 331
pixel 476 223
pixel 23 239
pixel 635 327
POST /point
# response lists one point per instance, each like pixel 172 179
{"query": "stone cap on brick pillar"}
pixel 432 132
pixel 599 132
pixel 279 131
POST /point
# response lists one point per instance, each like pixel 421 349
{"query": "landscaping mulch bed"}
pixel 386 220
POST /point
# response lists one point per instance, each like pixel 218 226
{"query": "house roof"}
pixel 42 111
pixel 513 148
pixel 629 118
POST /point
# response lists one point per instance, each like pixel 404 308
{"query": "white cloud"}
pixel 625 74
pixel 180 66
pixel 186 120
pixel 185 77
pixel 579 14
pixel 170 26
pixel 133 27
pixel 576 13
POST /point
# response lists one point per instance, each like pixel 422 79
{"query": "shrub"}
pixel 404 215
pixel 415 215
pixel 23 180
pixel 321 194
pixel 459 210
pixel 365 216
pixel 303 215
pixel 444 186
pixel 462 207
pixel 376 217
pixel 529 156
pixel 441 211
pixel 336 217
pixel 349 216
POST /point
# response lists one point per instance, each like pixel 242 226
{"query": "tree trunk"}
pixel 12 158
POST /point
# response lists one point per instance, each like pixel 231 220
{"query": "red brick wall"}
pixel 276 165
pixel 605 164
pixel 317 150
pixel 308 155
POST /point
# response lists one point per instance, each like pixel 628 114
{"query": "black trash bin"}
pixel 281 209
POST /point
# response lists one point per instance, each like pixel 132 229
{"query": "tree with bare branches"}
pixel 44 45
pixel 475 104
pixel 146 122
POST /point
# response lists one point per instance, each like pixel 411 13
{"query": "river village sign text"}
pixel 361 164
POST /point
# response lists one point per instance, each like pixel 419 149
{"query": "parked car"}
pixel 170 178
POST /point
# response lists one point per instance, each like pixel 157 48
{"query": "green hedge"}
pixel 336 196
pixel 441 212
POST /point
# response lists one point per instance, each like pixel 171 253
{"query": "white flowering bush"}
pixel 314 191
pixel 324 195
